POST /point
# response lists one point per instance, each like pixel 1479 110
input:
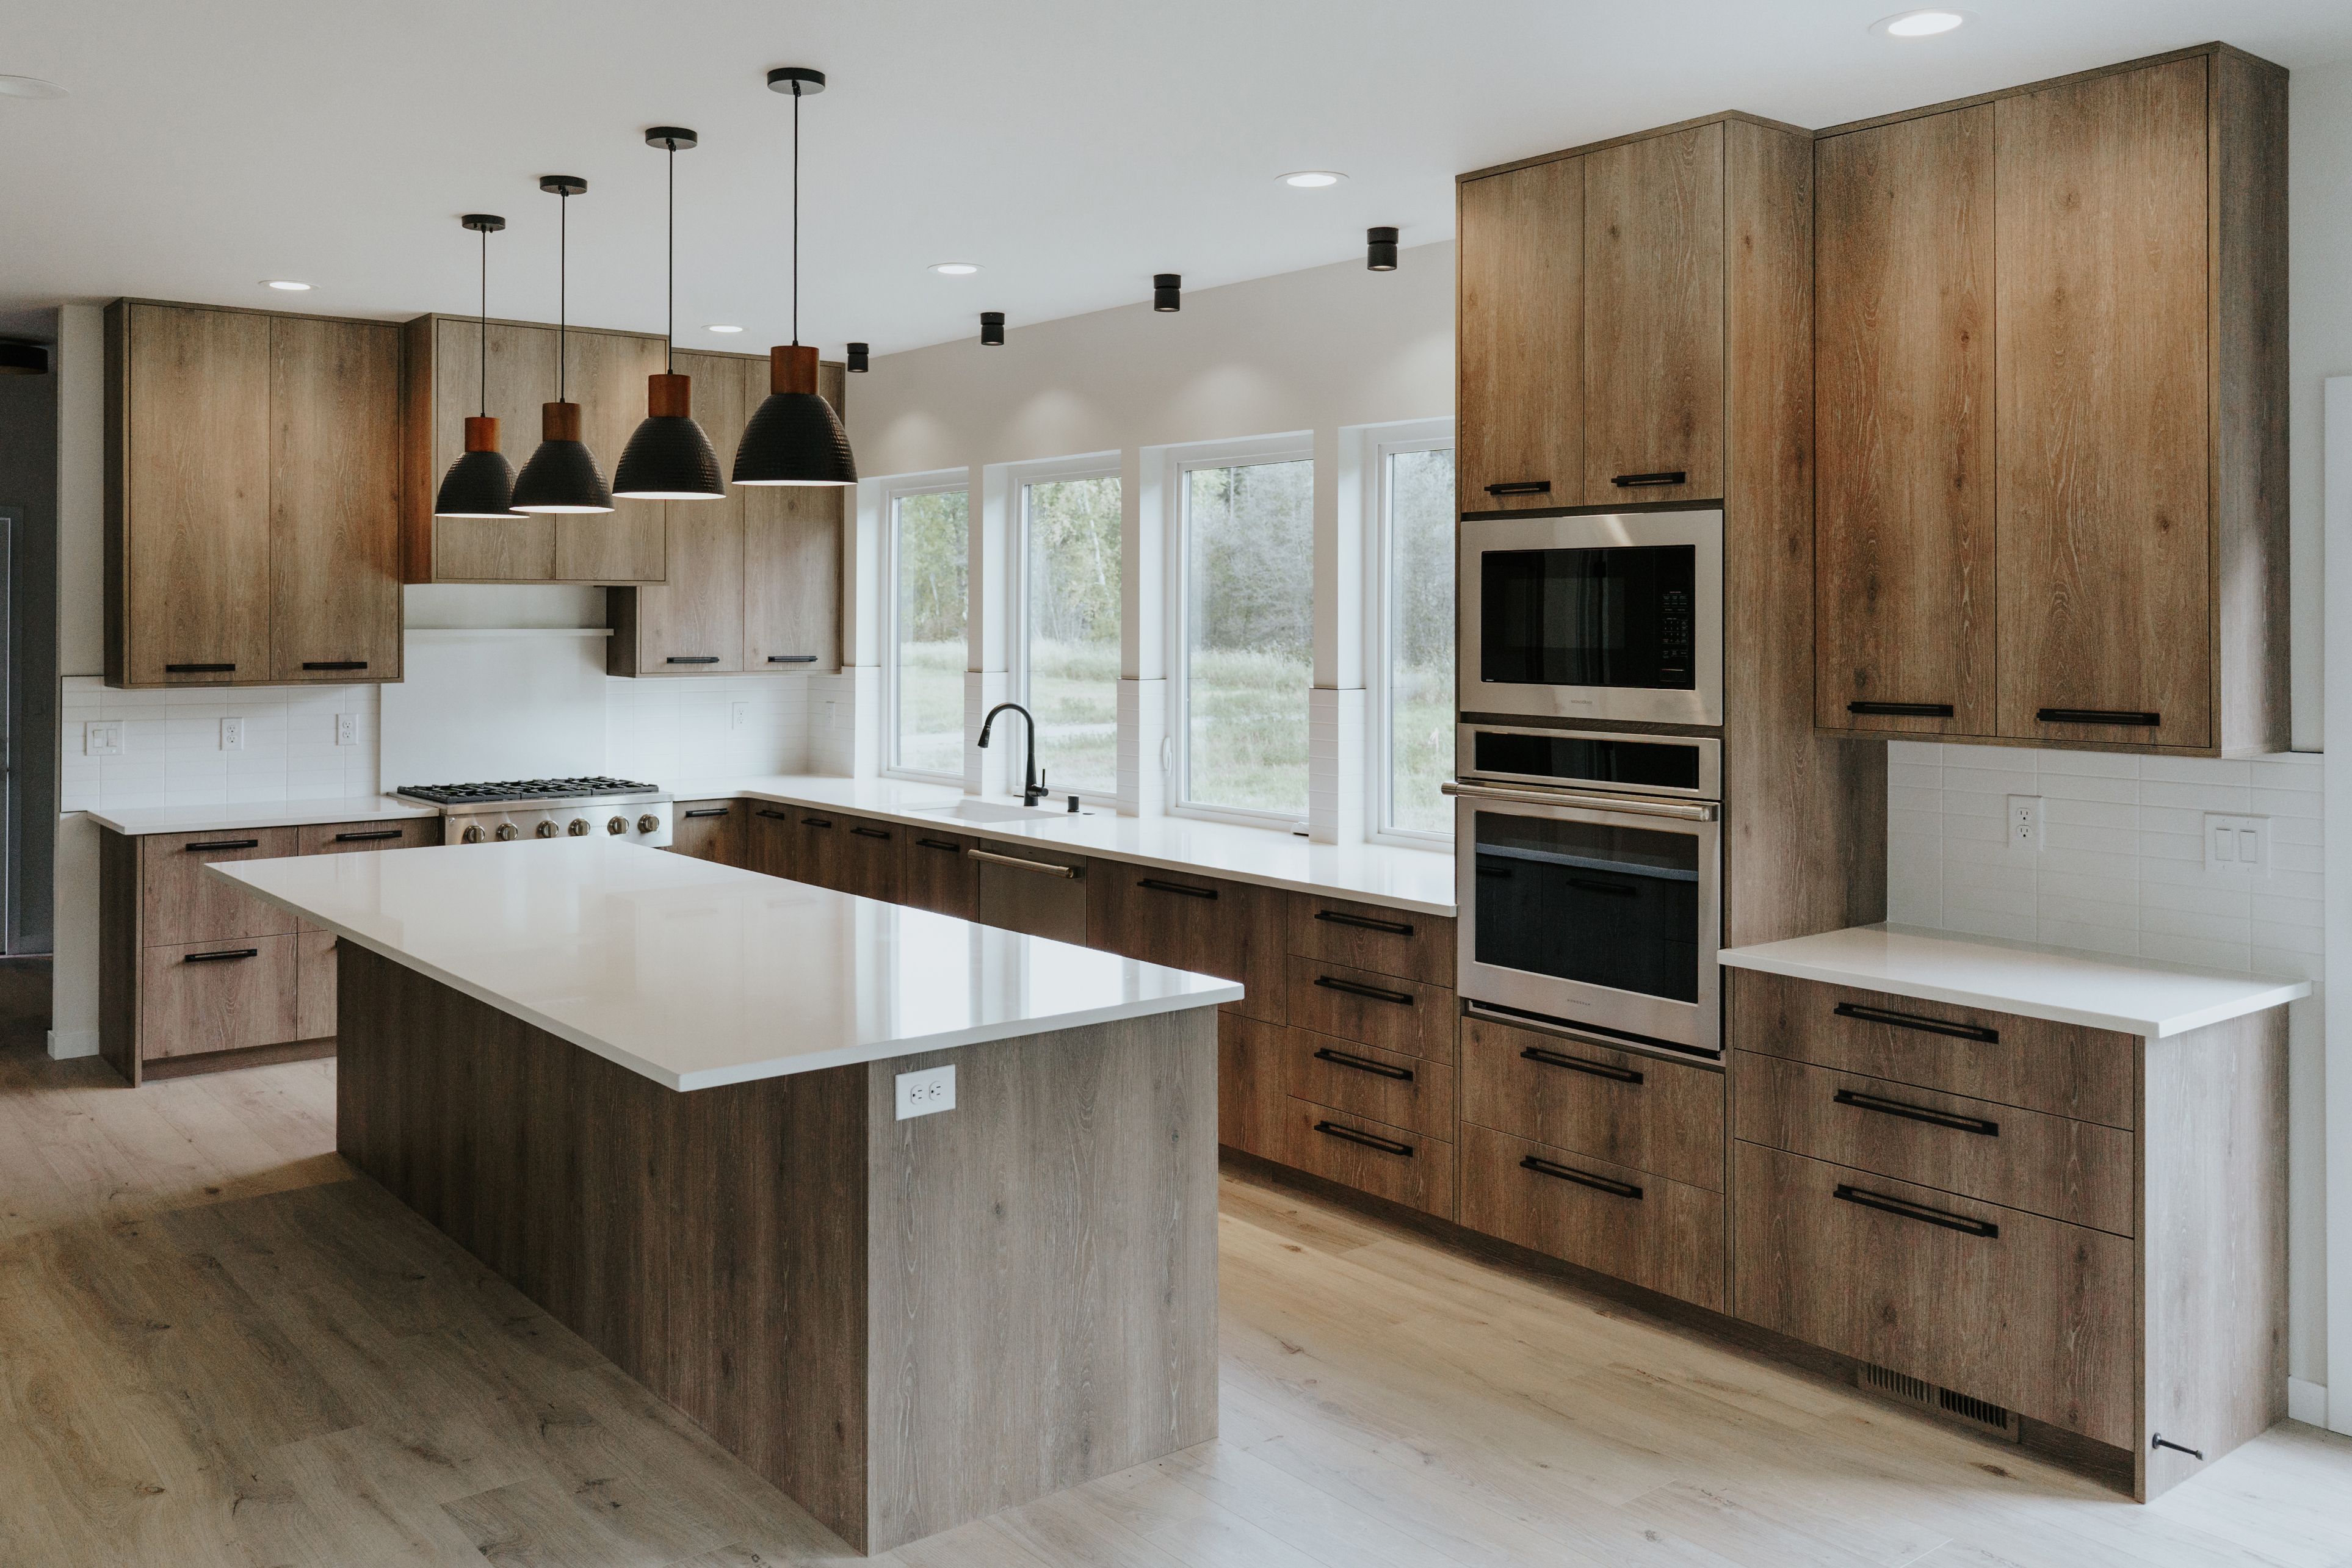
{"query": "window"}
pixel 1416 641
pixel 923 654
pixel 1245 655
pixel 1069 648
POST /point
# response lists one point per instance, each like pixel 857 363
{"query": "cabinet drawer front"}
pixel 218 996
pixel 1395 1163
pixel 361 838
pixel 708 831
pixel 1249 1099
pixel 1370 936
pixel 1372 1009
pixel 1186 921
pixel 2031 1313
pixel 1615 1106
pixel 870 857
pixel 180 903
pixel 1386 1085
pixel 1662 1235
pixel 2079 1172
pixel 774 843
pixel 2062 1068
pixel 936 872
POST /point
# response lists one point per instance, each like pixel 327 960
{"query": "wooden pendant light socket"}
pixel 481 433
pixel 791 369
pixel 669 396
pixel 558 421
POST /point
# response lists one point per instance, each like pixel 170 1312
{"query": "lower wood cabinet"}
pixel 228 993
pixel 710 831
pixel 1207 924
pixel 1632 1110
pixel 1251 1094
pixel 1632 1224
pixel 1032 889
pixel 936 871
pixel 1366 1081
pixel 1371 1008
pixel 1399 1164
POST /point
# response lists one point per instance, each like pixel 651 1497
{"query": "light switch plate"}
pixel 2239 846
pixel 347 729
pixel 2026 821
pixel 737 715
pixel 925 1092
pixel 102 738
pixel 232 735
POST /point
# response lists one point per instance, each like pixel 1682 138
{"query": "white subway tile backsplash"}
pixel 172 753
pixel 680 731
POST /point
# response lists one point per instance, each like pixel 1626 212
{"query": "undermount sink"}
pixel 989 811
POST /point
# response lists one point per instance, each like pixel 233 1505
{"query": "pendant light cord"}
pixel 669 301
pixel 562 284
pixel 486 323
pixel 796 214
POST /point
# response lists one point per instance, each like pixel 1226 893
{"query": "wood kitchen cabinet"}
pixel 715 830
pixel 1186 921
pixel 1035 889
pixel 936 871
pixel 793 557
pixel 253 481
pixel 1520 329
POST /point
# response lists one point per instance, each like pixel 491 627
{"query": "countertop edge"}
pixel 278 814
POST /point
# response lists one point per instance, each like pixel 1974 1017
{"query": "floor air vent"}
pixel 1978 1415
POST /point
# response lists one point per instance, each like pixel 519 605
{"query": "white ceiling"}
pixel 1072 147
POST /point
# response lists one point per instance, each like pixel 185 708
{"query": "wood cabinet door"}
pixel 709 830
pixel 1520 322
pixel 520 381
pixel 693 625
pixel 870 857
pixel 334 500
pixel 606 374
pixel 314 985
pixel 1229 929
pixel 1653 319
pixel 2104 570
pixel 935 873
pixel 225 995
pixel 1902 400
pixel 792 558
pixel 775 841
pixel 188 562
pixel 1049 901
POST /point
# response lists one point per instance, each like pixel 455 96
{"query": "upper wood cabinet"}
pixel 2085 515
pixel 604 372
pixel 1520 337
pixel 792 560
pixel 252 485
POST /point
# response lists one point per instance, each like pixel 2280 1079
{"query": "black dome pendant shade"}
pixel 480 484
pixel 669 458
pixel 795 437
pixel 561 476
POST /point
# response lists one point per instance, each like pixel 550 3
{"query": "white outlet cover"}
pixel 2024 823
pixel 927 1093
pixel 232 735
pixel 2239 846
pixel 102 738
pixel 347 729
pixel 737 715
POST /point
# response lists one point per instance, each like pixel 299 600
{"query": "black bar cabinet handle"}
pixel 950 845
pixel 1370 1140
pixel 1902 710
pixel 1364 1064
pixel 1520 487
pixel 1636 480
pixel 1582 1179
pixel 1370 993
pixel 864 832
pixel 816 821
pixel 1156 885
pixel 368 837
pixel 2158 1441
pixel 334 663
pixel 1888 1016
pixel 1608 1070
pixel 1613 889
pixel 198 669
pixel 1979 1125
pixel 774 816
pixel 1341 917
pixel 719 811
pixel 221 956
pixel 1903 1209
pixel 209 845
pixel 691 659
pixel 2133 719
pixel 791 658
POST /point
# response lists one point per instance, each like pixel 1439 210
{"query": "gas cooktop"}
pixel 516 790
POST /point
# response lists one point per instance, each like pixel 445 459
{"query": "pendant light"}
pixel 480 484
pixel 795 437
pixel 669 458
pixel 561 476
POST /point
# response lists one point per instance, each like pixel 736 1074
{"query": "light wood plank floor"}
pixel 216 1347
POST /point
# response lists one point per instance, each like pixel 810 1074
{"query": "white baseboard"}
pixel 72 1042
pixel 2307 1401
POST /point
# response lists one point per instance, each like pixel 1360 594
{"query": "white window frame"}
pixel 1294 446
pixel 1386 442
pixel 952 481
pixel 1019 476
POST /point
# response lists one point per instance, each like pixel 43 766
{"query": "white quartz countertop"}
pixel 2129 996
pixel 1414 879
pixel 695 975
pixel 265 814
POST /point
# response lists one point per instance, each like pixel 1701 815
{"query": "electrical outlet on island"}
pixel 925 1092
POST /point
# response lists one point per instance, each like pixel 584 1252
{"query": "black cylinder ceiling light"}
pixel 795 437
pixel 480 484
pixel 561 476
pixel 22 359
pixel 855 364
pixel 991 328
pixel 1167 291
pixel 669 458
pixel 1380 250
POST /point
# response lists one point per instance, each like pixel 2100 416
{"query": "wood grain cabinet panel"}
pixel 1372 937
pixel 334 500
pixel 1050 902
pixel 367 838
pixel 774 842
pixel 445 383
pixel 819 853
pixel 314 984
pixel 936 872
pixel 1654 318
pixel 1619 1106
pixel 1372 1009
pixel 1904 396
pixel 1520 326
pixel 1186 921
pixel 871 857
pixel 710 831
pixel 1395 1163
pixel 1251 1096
pixel 693 623
pixel 227 994
pixel 1386 1085
pixel 180 903
pixel 1662 1235
pixel 792 556
pixel 607 372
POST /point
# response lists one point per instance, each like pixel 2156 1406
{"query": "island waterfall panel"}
pixel 904 1325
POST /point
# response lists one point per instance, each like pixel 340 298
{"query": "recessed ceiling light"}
pixel 287 284
pixel 716 327
pixel 1918 24
pixel 29 87
pixel 1313 179
pixel 955 268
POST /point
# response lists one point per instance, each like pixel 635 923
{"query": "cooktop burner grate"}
pixel 522 789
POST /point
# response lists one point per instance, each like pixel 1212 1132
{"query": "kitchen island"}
pixel 667 1100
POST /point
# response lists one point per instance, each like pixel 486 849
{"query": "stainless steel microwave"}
pixel 1615 615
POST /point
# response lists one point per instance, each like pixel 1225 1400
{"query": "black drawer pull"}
pixel 334 663
pixel 774 816
pixel 1613 889
pixel 1903 1209
pixel 950 845
pixel 373 835
pixel 1341 917
pixel 1582 1179
pixel 1156 885
pixel 1520 487
pixel 691 659
pixel 1370 993
pixel 1637 481
pixel 1370 1140
pixel 1902 710
pixel 816 822
pixel 210 845
pixel 2134 719
pixel 1364 1064
pixel 1934 1118
pixel 2158 1441
pixel 718 811
pixel 1608 1070
pixel 1888 1016
pixel 864 832
pixel 791 658
pixel 198 669
pixel 222 956
pixel 1487 868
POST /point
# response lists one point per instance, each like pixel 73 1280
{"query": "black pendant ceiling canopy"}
pixel 795 437
pixel 20 359
pixel 480 484
pixel 561 476
pixel 669 458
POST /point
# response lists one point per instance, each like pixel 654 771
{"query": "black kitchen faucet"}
pixel 1033 783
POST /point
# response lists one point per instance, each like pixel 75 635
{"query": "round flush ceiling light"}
pixel 1312 179
pixel 29 87
pixel 717 327
pixel 955 268
pixel 287 284
pixel 1918 24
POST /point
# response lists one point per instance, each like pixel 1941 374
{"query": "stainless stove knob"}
pixel 617 825
pixel 507 831
pixel 473 836
pixel 579 826
pixel 548 829
pixel 648 823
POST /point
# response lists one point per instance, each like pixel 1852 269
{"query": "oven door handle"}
pixel 1683 810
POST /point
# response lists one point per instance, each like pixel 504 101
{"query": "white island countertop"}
pixel 2129 996
pixel 695 975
